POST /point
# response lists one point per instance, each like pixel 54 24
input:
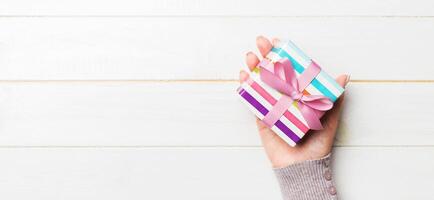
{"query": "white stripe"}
pixel 273 56
pixel 301 60
pixel 260 116
pixel 305 63
pixel 258 97
pixel 252 108
pixel 292 109
pixel 313 91
pixel 292 126
pixel 283 136
pixel 297 113
pixel 327 84
pixel 268 105
pixel 274 93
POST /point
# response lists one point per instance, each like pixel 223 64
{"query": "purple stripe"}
pixel 287 131
pixel 249 98
pixel 253 101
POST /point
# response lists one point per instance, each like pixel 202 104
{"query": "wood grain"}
pixel 148 49
pixel 193 114
pixel 136 99
pixel 217 8
pixel 201 173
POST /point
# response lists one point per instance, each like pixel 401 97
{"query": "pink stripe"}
pixel 273 101
pixel 278 110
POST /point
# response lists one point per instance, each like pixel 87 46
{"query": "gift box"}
pixel 289 92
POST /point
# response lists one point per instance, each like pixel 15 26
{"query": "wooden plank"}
pixel 174 48
pixel 219 8
pixel 201 173
pixel 382 173
pixel 192 114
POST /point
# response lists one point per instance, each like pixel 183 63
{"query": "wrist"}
pixel 291 158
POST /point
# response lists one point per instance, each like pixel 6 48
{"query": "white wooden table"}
pixel 110 99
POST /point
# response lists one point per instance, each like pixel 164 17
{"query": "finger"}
pixel 332 118
pixel 252 60
pixel 325 137
pixel 343 80
pixel 243 76
pixel 264 45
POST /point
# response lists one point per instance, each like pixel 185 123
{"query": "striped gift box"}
pixel 260 98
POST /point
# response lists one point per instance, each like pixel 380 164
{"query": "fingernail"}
pixel 347 80
pixel 248 53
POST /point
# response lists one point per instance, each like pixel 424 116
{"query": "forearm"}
pixel 310 180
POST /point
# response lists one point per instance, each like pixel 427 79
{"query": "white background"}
pixel 131 99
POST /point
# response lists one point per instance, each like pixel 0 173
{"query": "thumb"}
pixel 331 119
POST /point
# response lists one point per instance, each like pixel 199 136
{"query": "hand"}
pixel 316 144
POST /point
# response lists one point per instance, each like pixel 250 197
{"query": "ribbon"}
pixel 281 76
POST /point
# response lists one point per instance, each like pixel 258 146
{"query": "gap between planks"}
pixel 216 16
pixel 195 147
pixel 190 81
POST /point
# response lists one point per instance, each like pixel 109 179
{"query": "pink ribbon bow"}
pixel 281 76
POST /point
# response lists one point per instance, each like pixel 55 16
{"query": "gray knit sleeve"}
pixel 310 180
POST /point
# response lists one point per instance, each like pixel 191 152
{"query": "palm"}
pixel 315 145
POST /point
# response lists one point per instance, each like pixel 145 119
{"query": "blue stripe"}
pixel 298 50
pixel 299 68
pixel 305 57
pixel 332 81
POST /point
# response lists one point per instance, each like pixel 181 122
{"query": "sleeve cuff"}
pixel 310 179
